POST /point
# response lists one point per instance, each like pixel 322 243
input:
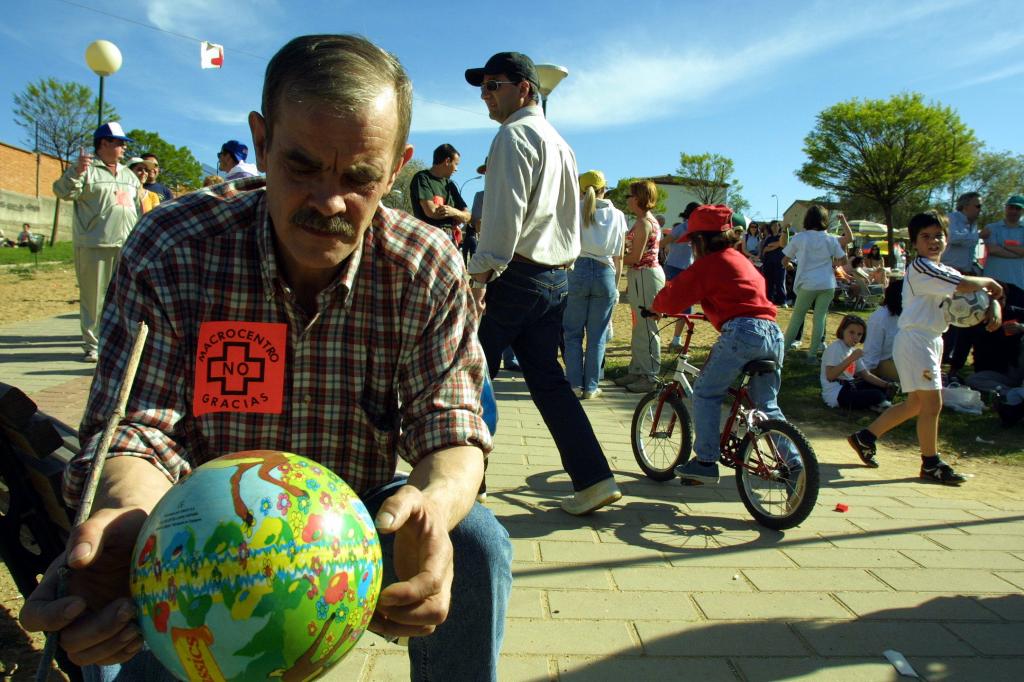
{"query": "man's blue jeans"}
pixel 524 310
pixel 465 647
pixel 743 339
pixel 592 297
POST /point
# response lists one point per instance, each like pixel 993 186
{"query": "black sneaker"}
pixel 866 451
pixel 1008 414
pixel 942 473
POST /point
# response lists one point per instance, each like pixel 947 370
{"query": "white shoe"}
pixel 795 345
pixel 91 356
pixel 587 395
pixel 578 392
pixel 882 406
pixel 482 497
pixel 592 498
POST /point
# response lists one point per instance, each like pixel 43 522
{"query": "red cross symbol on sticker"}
pixel 235 370
pixel 240 367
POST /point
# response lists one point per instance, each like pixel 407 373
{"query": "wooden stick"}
pixel 92 483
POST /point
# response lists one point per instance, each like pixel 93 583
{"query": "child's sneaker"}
pixel 942 473
pixel 882 406
pixel 696 472
pixel 864 449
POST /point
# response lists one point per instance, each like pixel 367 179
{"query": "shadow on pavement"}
pixel 945 638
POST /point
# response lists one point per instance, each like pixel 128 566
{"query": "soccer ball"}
pixel 966 310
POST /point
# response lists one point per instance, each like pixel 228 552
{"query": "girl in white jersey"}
pixel 917 350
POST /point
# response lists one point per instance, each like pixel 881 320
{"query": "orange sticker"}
pixel 240 367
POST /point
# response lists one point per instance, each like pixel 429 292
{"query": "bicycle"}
pixel 776 469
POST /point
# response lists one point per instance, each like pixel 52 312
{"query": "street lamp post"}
pixel 466 182
pixel 550 76
pixel 776 206
pixel 104 59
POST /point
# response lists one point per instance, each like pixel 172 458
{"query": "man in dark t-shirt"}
pixel 435 198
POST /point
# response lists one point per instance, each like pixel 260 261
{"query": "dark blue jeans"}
pixel 524 310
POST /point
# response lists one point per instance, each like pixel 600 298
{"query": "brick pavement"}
pixel 681 584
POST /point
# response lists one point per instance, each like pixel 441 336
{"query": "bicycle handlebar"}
pixel 644 312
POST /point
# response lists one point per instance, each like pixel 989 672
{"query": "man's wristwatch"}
pixel 477 284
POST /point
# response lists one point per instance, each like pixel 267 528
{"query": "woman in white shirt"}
pixel 593 289
pixel 882 327
pixel 815 282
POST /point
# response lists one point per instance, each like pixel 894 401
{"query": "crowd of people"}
pixel 381 335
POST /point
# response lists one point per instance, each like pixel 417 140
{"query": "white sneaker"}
pixel 795 345
pixel 882 406
pixel 592 498
pixel 587 395
pixel 91 356
pixel 578 392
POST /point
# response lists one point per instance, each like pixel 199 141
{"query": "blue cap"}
pixel 110 131
pixel 235 149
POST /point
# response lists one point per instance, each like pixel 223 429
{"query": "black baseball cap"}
pixel 516 65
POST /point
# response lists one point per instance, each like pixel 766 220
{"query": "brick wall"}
pixel 18 171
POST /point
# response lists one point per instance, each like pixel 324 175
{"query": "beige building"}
pixel 680 193
pixel 794 215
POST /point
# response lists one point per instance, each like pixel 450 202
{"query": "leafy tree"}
pixel 620 193
pixel 65 113
pixel 996 176
pixel 398 197
pixel 178 167
pixel 711 179
pixel 735 200
pixel 886 150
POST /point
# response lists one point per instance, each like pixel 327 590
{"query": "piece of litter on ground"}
pixel 840 507
pixel 736 577
pixel 979 439
pixel 900 662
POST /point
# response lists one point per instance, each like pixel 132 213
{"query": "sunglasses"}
pixel 491 86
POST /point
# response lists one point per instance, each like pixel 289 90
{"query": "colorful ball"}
pixel 259 565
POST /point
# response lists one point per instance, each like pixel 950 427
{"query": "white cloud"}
pixel 432 116
pixel 253 19
pixel 623 85
pixel 991 76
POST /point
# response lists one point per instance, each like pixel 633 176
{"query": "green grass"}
pixel 800 399
pixel 61 252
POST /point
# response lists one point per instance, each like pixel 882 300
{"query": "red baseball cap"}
pixel 717 218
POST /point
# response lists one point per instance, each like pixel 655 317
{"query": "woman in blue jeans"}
pixel 592 285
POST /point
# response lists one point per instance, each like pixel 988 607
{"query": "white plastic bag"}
pixel 962 399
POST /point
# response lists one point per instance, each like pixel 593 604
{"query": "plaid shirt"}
pixel 388 367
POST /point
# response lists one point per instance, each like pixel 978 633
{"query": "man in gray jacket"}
pixel 107 206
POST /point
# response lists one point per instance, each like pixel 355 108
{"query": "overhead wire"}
pixel 229 49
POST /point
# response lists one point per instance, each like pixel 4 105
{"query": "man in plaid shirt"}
pixel 354 325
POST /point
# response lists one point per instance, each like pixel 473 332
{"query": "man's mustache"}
pixel 314 220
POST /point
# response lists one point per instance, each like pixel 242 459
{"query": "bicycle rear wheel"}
pixel 659 447
pixel 778 477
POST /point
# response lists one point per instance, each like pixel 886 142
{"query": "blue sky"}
pixel 744 79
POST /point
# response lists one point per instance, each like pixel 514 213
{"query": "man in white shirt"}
pixel 963 234
pixel 231 160
pixel 531 236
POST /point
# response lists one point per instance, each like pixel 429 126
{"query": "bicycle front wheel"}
pixel 778 476
pixel 662 435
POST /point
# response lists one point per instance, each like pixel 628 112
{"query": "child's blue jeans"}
pixel 743 339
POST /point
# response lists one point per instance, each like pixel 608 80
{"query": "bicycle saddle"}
pixel 759 367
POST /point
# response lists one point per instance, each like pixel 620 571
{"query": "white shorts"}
pixel 918 356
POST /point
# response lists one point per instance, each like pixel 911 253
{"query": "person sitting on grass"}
pixel 882 327
pixel 918 347
pixel 731 292
pixel 845 381
pixel 997 354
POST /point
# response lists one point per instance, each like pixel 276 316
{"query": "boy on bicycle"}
pixel 917 350
pixel 731 293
